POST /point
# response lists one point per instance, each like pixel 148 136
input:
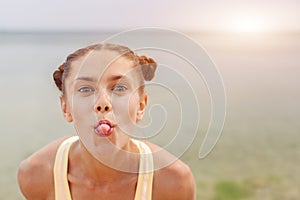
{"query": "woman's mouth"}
pixel 104 128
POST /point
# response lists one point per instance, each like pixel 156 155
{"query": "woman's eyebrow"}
pixel 85 78
pixel 111 78
pixel 117 77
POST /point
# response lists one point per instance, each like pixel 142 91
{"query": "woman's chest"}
pixel 116 191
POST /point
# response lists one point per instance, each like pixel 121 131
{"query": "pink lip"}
pixel 98 129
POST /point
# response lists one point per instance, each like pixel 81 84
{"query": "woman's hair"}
pixel 147 65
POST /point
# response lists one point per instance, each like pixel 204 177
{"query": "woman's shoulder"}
pixel 171 174
pixel 35 173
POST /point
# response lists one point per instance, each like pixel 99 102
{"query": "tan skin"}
pixel 88 178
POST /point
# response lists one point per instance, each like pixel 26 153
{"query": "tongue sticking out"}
pixel 104 129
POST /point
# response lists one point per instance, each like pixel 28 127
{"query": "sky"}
pixel 188 15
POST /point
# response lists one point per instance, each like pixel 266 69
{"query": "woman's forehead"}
pixel 101 63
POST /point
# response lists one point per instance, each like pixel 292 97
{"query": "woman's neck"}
pixel 109 168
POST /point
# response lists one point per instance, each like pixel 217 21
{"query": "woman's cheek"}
pixel 124 109
pixel 82 106
pixel 133 106
pixel 120 105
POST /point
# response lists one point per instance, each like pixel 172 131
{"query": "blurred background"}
pixel 255 45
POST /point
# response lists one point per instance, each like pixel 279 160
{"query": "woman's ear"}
pixel 65 109
pixel 142 107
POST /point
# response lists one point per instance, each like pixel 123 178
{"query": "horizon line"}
pixel 113 31
pixel 214 32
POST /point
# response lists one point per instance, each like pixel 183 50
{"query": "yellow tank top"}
pixel 144 183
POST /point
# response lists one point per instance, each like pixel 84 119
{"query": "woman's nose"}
pixel 102 105
pixel 102 108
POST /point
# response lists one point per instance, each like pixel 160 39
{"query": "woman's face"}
pixel 103 100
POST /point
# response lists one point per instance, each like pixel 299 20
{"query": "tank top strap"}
pixel 60 170
pixel 146 169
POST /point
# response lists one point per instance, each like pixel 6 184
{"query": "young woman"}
pixel 103 95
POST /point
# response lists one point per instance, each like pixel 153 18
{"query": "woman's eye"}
pixel 119 88
pixel 85 89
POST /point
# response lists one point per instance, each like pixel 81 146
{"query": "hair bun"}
pixel 148 66
pixel 57 76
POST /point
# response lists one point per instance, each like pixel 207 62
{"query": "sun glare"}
pixel 248 25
